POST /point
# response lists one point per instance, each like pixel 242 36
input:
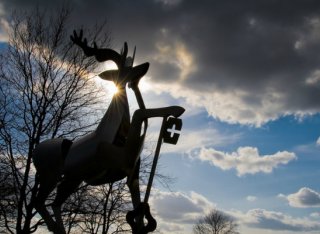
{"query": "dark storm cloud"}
pixel 265 49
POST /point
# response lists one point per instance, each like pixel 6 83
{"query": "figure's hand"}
pixel 77 39
pixel 143 210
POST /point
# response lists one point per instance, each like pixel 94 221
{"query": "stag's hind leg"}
pixel 47 185
pixel 64 190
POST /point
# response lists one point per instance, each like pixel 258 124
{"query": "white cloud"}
pixel 234 106
pixel 4 25
pixel 315 215
pixel 246 160
pixel 194 139
pixel 180 207
pixel 176 210
pixel 4 29
pixel 281 196
pixel 314 78
pixel 305 197
pixel 251 198
pixel 277 221
pixel 318 142
pixel 233 89
pixel 180 56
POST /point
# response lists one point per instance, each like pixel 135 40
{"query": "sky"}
pixel 248 74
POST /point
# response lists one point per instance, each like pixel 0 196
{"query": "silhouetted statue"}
pixel 108 154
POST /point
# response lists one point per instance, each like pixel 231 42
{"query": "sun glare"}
pixel 112 88
pixel 109 87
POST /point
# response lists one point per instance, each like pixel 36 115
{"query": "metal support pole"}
pixel 155 161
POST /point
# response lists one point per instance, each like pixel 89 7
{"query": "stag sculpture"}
pixel 108 154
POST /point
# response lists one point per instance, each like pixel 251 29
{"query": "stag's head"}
pixel 125 73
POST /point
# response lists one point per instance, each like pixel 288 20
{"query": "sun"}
pixel 107 86
pixel 112 88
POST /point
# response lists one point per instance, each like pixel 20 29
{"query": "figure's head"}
pixel 125 73
pixel 131 75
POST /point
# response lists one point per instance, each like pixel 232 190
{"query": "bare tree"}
pixel 7 191
pixel 216 222
pixel 105 209
pixel 46 91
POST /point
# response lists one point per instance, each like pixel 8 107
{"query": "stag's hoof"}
pixel 142 211
pixel 59 230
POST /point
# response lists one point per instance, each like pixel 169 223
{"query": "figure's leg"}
pixel 64 190
pixel 134 141
pixel 46 187
pixel 135 220
pixel 133 148
pixel 133 184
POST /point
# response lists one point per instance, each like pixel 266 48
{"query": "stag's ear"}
pixel 110 75
pixel 124 52
pixel 137 73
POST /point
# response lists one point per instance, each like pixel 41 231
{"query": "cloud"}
pixel 4 26
pixel 180 207
pixel 305 197
pixel 181 59
pixel 277 221
pixel 246 160
pixel 315 215
pixel 250 68
pixel 169 2
pixel 176 212
pixel 246 73
pixel 251 198
pixel 318 142
pixel 194 139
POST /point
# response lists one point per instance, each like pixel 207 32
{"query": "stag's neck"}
pixel 116 115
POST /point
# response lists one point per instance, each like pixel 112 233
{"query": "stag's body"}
pixel 108 154
pixel 93 159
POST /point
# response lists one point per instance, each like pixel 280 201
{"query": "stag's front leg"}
pixel 142 114
pixel 135 220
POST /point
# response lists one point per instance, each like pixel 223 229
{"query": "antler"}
pixel 101 55
pixel 89 51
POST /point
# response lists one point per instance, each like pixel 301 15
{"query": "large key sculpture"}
pixel 111 152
